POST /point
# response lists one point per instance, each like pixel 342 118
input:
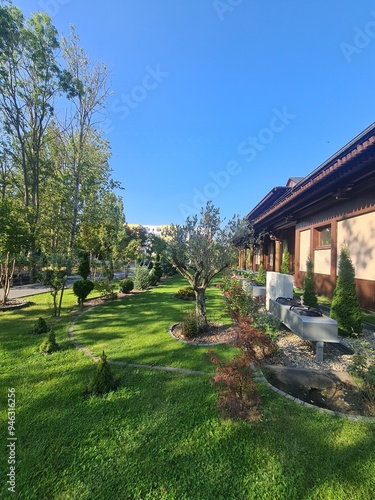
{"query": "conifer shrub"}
pixel 167 268
pixel 309 294
pixel 285 262
pixel 126 285
pixel 261 278
pixel 157 270
pixel 103 380
pixel 84 266
pixel 141 278
pixel 40 327
pixel 49 344
pixel 345 308
pixel 82 288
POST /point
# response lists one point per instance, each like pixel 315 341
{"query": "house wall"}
pixel 351 222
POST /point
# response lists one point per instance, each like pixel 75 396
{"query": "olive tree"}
pixel 200 249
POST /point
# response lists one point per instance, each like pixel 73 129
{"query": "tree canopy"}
pixel 202 248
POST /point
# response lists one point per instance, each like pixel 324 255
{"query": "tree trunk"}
pixel 200 309
pixel 6 275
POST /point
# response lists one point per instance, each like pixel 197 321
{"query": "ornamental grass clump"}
pixel 189 324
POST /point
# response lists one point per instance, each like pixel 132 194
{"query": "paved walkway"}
pixel 16 292
pixel 19 291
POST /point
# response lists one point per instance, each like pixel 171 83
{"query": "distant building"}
pixel 155 230
pixel 151 230
pixel 315 215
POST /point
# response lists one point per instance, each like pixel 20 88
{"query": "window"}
pixel 324 236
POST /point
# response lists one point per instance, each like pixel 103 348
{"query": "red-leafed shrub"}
pixel 238 394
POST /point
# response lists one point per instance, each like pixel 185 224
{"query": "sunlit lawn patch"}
pixel 159 435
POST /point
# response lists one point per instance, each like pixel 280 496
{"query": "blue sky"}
pixel 223 99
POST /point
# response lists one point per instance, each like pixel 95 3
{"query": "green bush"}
pixel 309 293
pixel 103 380
pixel 141 278
pixel 185 293
pixel 167 268
pixel 345 308
pixel 261 278
pixel 105 287
pixel 49 345
pixel 237 300
pixel 285 262
pixel 157 270
pixel 40 327
pixel 84 266
pixel 82 288
pixel 126 285
pixel 189 325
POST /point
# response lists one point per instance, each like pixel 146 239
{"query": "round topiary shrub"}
pixel 40 327
pixel 81 289
pixel 49 345
pixel 126 285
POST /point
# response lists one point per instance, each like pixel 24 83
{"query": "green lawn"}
pixel 159 436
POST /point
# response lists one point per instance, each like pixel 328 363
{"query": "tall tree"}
pixel 30 80
pixel 91 83
pixel 345 307
pixel 200 249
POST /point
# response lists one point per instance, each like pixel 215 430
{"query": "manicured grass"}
pixel 159 435
pixel 136 330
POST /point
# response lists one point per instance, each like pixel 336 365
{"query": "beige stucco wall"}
pixel 304 249
pixel 358 233
pixel 322 261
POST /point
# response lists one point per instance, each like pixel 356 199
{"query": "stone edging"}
pixel 20 305
pixel 261 378
pixel 259 374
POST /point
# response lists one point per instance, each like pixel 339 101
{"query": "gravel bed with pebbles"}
pixel 301 353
